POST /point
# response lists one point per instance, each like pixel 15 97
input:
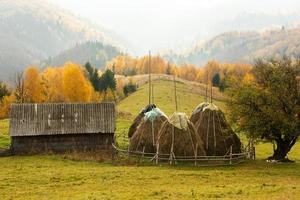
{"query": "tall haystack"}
pixel 145 137
pixel 138 119
pixel 214 130
pixel 178 138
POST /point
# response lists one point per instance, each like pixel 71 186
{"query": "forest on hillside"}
pixel 243 47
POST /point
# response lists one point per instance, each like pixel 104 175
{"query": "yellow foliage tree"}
pixel 76 87
pixel 34 87
pixel 249 79
pixel 5 105
pixel 53 82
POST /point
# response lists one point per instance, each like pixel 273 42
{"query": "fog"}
pixel 174 24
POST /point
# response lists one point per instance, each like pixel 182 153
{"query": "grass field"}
pixel 56 177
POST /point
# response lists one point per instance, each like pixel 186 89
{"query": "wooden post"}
pixel 157 156
pixel 149 72
pixel 196 155
pixel 128 151
pixel 175 93
pixel 230 162
pixel 142 154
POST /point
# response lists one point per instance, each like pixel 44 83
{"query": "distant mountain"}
pixel 34 30
pixel 94 52
pixel 257 21
pixel 234 47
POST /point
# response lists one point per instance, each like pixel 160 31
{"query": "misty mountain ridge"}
pixel 32 31
pixel 242 47
pixel 36 32
pixel 96 53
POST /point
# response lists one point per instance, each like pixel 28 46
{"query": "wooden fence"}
pixel 231 158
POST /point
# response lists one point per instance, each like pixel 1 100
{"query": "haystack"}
pixel 145 137
pixel 214 130
pixel 178 138
pixel 138 119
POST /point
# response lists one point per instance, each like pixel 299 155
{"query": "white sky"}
pixel 163 24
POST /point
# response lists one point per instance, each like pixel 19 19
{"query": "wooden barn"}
pixel 61 127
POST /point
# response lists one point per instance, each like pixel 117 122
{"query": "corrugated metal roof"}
pixel 61 118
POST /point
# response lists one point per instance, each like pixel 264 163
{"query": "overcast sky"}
pixel 163 24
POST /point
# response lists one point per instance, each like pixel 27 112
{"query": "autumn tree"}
pixel 33 84
pixel 268 106
pixel 5 104
pixel 52 78
pixel 5 100
pixel 76 88
pixel 20 92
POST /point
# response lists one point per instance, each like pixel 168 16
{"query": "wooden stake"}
pixel 210 92
pixel 175 93
pixel 157 156
pixel 149 72
pixel 206 89
pixel 152 93
pixel 172 147
pixel 230 162
pixel 142 154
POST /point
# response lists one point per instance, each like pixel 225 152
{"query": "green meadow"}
pixel 62 177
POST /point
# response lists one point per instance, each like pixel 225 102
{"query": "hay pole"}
pixel 207 131
pixel 175 93
pixel 211 99
pixel 152 131
pixel 172 147
pixel 149 72
pixel 157 149
pixel 152 88
pixel 215 140
pixel 206 88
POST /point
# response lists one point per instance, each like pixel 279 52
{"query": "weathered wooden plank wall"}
pixel 61 143
pixel 61 118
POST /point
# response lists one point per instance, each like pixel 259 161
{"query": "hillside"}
pixel 94 52
pixel 189 86
pixel 164 98
pixel 188 98
pixel 243 47
pixel 31 31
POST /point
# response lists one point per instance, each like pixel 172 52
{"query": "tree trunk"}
pixel 280 152
pixel 283 146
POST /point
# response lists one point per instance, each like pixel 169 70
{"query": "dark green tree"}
pixel 108 82
pixel 216 80
pixel 269 108
pixel 93 76
pixel 129 88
